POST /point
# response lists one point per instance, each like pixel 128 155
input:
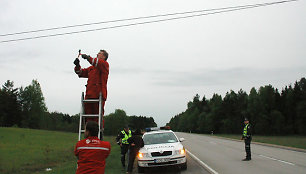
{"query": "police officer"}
pixel 124 135
pixel 247 137
pixel 136 142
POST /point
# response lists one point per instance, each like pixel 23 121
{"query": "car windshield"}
pixel 159 138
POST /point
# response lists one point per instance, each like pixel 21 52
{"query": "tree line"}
pixel 25 107
pixel 270 112
pixel 115 122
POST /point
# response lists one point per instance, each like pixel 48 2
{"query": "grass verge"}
pixel 32 151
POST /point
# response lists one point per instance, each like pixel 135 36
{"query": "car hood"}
pixel 161 147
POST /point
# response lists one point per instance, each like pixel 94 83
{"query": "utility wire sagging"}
pixel 128 19
pixel 193 14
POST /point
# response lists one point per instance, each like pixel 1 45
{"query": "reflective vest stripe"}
pixel 95 148
pixel 126 137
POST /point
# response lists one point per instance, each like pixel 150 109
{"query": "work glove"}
pixel 76 62
pixel 84 56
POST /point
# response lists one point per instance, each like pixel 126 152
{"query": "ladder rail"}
pixel 81 115
pixel 100 113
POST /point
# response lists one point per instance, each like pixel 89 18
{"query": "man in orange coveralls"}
pixel 97 75
pixel 91 152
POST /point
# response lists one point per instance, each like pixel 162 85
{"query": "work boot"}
pixel 246 159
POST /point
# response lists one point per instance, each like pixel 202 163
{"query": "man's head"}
pixel 102 55
pixel 137 132
pixel 246 120
pixel 91 129
pixel 126 128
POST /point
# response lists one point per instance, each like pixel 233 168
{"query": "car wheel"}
pixel 184 166
pixel 140 169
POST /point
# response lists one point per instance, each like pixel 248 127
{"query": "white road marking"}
pixel 277 160
pixel 202 163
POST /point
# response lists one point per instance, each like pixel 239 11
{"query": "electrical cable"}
pixel 128 19
pixel 147 22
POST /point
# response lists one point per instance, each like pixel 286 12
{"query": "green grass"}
pixel 290 141
pixel 32 151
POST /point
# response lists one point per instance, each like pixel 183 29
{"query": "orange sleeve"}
pixel 99 63
pixel 81 72
pixel 109 147
pixel 76 152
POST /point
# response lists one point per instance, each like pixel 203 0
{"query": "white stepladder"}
pixel 83 115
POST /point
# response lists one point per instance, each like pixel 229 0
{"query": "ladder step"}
pixel 91 100
pixel 90 115
pixel 82 131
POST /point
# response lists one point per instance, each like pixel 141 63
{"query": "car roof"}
pixel 158 131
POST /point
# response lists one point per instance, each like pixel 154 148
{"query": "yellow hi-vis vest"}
pixel 245 130
pixel 126 137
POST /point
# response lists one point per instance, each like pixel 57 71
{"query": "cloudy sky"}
pixel 155 69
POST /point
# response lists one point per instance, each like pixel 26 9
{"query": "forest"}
pixel 271 112
pixel 25 107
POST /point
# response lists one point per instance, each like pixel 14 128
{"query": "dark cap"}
pixel 126 126
pixel 246 119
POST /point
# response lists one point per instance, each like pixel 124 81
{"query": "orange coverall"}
pixel 97 75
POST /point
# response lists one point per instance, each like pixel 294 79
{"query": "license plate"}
pixel 162 160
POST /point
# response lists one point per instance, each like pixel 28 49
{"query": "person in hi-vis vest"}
pixel 121 139
pixel 247 137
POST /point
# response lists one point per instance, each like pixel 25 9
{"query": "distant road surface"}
pixel 224 156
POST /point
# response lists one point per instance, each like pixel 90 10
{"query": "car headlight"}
pixel 141 155
pixel 180 151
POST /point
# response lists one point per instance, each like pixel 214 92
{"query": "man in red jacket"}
pixel 97 75
pixel 91 152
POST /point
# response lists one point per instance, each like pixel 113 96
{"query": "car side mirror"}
pixel 182 139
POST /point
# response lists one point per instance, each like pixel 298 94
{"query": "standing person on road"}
pixel 136 142
pixel 97 75
pixel 91 152
pixel 124 135
pixel 247 137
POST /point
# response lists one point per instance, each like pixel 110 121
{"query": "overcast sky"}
pixel 155 69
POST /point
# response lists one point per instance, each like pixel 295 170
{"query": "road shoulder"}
pixel 263 144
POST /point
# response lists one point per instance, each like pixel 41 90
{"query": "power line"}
pixel 127 19
pixel 229 9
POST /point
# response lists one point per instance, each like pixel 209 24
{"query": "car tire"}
pixel 184 166
pixel 140 169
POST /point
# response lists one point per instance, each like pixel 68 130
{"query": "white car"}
pixel 161 148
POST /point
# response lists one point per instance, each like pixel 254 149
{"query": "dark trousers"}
pixel 124 149
pixel 132 155
pixel 247 143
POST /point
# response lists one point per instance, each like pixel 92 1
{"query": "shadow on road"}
pixel 193 168
pixel 168 170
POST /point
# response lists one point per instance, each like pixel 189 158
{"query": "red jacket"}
pixel 91 153
pixel 97 75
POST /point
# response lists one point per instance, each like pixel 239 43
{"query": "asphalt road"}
pixel 193 167
pixel 224 156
